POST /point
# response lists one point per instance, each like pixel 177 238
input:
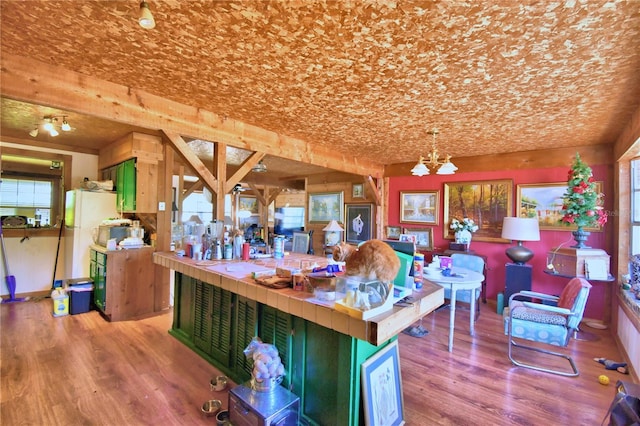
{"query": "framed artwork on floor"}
pixel 486 202
pixel 382 388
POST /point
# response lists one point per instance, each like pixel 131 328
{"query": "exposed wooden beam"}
pixel 242 171
pixel 371 184
pixel 539 159
pixel 257 192
pixel 33 81
pixel 193 188
pixel 190 157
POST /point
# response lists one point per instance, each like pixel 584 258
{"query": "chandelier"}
pixel 423 166
pixel 48 124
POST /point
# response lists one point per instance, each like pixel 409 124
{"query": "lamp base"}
pixel 519 254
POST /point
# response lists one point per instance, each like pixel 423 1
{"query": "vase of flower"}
pixel 463 229
pixel 581 236
pixel 463 237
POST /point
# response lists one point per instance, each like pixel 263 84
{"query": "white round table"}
pixel 461 279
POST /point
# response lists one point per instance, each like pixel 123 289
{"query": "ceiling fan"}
pixel 239 188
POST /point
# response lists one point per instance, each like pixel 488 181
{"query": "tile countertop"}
pixel 234 276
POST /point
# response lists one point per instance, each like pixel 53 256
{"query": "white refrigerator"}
pixel 84 212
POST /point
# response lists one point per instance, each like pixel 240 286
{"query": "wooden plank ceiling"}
pixel 363 78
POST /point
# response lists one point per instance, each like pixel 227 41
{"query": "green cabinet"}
pixel 126 185
pixel 98 273
pixel 322 365
pixel 124 179
pixel 217 323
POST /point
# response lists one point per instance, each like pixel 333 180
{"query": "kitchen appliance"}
pixel 279 407
pixel 108 232
pixel 84 213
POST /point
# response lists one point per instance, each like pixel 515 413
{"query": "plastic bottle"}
pixel 418 267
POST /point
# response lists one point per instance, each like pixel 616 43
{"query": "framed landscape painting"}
pixel 325 206
pixel 486 202
pixel 544 202
pixel 419 207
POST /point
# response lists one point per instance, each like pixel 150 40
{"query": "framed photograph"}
pixel 423 237
pixel 393 232
pixel 544 202
pixel 419 207
pixel 486 202
pixel 249 204
pixel 325 206
pixel 359 223
pixel 406 238
pixel 357 190
pixel 382 388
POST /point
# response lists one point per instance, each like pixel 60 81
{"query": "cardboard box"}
pixel 571 261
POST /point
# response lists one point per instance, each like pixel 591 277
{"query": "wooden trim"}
pixel 33 81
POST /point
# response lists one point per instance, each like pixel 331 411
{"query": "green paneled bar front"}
pixel 217 314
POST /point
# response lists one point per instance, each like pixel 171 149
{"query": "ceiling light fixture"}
pixel 433 162
pixel 65 124
pixel 49 125
pixel 145 18
pixel 259 168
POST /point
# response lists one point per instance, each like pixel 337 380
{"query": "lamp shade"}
pixel 520 229
pixel 332 233
pixel 334 226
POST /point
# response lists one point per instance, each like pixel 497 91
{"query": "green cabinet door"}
pixel 98 273
pixel 275 327
pixel 126 185
pixel 245 328
pixel 184 295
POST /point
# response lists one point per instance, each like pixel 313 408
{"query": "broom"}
pixel 9 279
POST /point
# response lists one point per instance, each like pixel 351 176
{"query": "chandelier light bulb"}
pixel 53 132
pixel 65 125
pixel 48 126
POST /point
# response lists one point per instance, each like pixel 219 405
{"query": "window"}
pixel 635 207
pixel 32 189
pixel 28 197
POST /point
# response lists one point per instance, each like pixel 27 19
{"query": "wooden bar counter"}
pixel 217 313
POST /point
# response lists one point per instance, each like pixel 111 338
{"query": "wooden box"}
pixel 571 261
pixel 459 246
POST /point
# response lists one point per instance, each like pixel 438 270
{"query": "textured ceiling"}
pixel 366 78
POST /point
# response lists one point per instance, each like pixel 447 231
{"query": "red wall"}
pixel 495 252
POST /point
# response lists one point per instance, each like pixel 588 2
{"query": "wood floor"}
pixel 83 370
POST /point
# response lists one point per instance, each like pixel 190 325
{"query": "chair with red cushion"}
pixel 553 322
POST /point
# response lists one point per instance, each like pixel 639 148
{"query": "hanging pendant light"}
pixel 432 163
pixel 145 18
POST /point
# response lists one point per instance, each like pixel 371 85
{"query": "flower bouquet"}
pixel 463 229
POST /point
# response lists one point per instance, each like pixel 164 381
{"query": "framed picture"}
pixel 326 206
pixel 486 202
pixel 382 388
pixel 393 232
pixel 406 238
pixel 357 190
pixel 423 237
pixel 419 207
pixel 359 223
pixel 544 202
pixel 249 204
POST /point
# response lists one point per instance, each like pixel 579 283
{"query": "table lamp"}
pixel 520 229
pixel 332 233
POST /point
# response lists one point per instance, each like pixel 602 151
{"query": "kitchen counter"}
pixel 376 330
